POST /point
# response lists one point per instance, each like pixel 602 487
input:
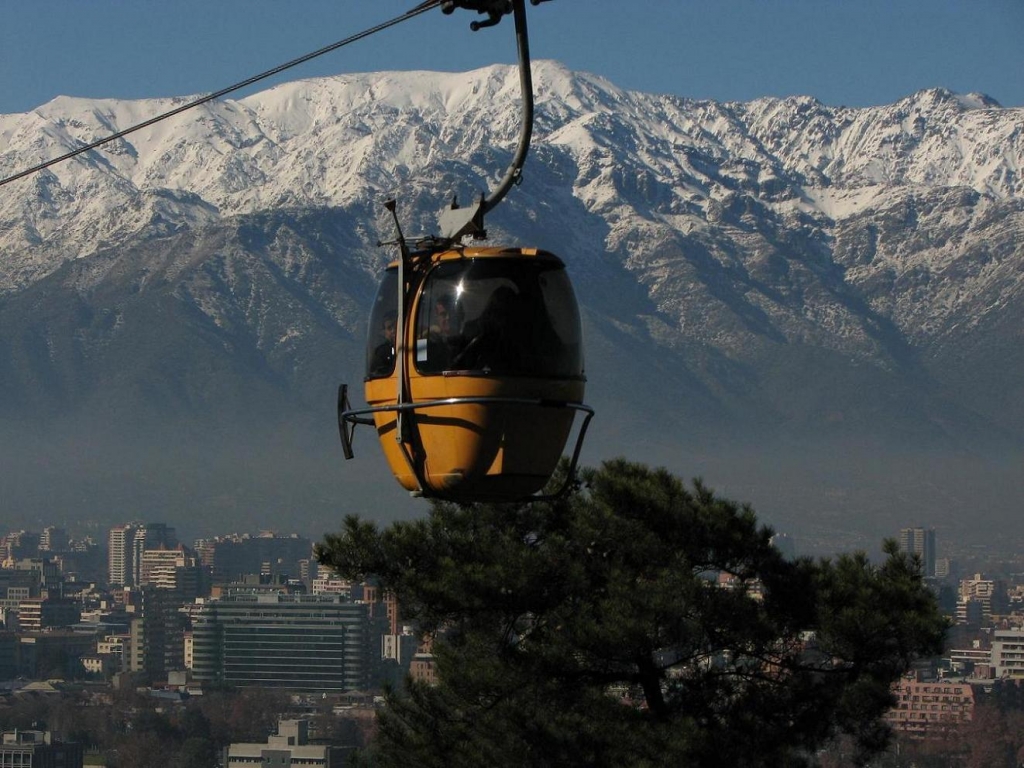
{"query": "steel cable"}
pixel 423 8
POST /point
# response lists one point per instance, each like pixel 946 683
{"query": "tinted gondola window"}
pixel 509 317
pixel 380 337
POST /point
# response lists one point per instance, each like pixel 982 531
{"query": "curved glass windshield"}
pixel 380 337
pixel 512 317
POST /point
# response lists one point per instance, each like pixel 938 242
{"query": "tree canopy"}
pixel 635 622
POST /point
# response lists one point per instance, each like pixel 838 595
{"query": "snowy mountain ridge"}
pixel 356 139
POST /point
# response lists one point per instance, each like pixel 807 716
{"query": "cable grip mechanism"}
pixel 495 10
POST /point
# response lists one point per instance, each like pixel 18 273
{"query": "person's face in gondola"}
pixel 444 319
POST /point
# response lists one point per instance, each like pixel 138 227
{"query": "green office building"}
pixel 293 642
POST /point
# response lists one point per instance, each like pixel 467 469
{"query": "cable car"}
pixel 474 355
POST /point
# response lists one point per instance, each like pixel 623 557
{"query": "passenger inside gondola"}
pixel 496 341
pixel 383 360
pixel 442 317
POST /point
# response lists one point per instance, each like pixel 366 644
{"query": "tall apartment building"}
pixel 321 643
pixel 920 542
pixel 174 569
pixel 150 536
pixel 119 555
pixel 127 542
pixel 167 578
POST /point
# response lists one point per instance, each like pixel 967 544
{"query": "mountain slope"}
pixel 777 279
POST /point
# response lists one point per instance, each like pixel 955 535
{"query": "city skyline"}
pixel 284 626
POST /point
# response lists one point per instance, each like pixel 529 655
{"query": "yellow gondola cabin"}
pixel 474 396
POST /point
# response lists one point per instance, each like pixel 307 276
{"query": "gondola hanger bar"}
pixel 457 222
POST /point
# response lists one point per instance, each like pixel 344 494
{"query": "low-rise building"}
pixel 290 747
pixel 963 661
pixel 117 648
pixel 37 749
pixel 923 707
pixel 1008 653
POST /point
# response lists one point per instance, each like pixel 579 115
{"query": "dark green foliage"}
pixel 593 631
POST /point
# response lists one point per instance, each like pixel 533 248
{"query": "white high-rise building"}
pixel 119 555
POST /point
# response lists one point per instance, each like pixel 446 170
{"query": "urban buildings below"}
pixel 236 612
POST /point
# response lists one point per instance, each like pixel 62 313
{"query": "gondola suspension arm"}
pixel 457 222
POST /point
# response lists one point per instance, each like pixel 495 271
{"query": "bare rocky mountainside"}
pixel 817 309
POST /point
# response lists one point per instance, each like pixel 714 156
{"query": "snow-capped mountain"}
pixel 778 269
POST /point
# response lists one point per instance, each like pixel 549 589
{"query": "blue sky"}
pixel 844 52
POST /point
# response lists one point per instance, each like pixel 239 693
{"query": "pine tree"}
pixel 635 622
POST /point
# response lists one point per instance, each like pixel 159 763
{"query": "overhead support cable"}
pixel 423 8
